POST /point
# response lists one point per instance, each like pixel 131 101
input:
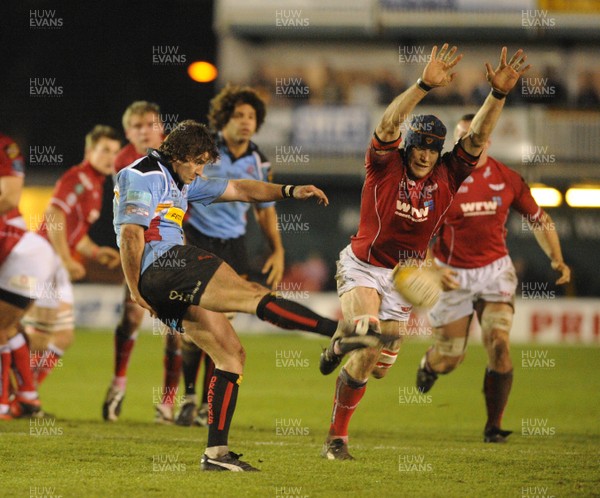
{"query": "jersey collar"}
pixel 157 156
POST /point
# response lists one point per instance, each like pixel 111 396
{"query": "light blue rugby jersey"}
pixel 228 220
pixel 147 194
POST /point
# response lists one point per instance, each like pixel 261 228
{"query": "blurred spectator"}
pixel 332 92
pixel 312 274
pixel 554 82
pixel 362 91
pixel 587 93
pixel 388 87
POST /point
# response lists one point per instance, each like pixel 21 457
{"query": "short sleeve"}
pixel 524 202
pixel 66 191
pixel 266 175
pixel 137 196
pixel 460 165
pixel 381 154
pixel 11 160
pixel 206 190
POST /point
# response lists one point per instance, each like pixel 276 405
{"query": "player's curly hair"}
pixel 223 105
pixel 189 141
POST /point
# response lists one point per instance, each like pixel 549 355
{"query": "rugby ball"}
pixel 421 287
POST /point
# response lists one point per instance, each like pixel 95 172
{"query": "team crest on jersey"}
pixel 497 186
pixel 406 210
pixel 487 172
pixel 497 199
pixel 430 188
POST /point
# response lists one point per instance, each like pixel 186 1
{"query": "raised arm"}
pixel 502 81
pixel 436 74
pixel 258 191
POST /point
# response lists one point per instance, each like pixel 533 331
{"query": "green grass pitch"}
pixel 405 444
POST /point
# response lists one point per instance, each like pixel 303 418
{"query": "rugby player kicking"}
pixel 404 199
pixel 478 276
pixel 177 282
pixel 74 206
pixel 236 114
pixel 144 129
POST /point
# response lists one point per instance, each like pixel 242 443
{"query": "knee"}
pixel 131 319
pixel 63 339
pixel 448 352
pixel 499 348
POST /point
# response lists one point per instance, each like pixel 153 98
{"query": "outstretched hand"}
pixel 307 191
pixel 506 75
pixel 437 71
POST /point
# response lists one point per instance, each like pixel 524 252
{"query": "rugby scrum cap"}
pixel 425 131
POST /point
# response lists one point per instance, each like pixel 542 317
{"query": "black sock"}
pixel 209 370
pixel 191 356
pixel 222 396
pixel 291 315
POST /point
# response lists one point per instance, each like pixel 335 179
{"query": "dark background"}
pixel 102 57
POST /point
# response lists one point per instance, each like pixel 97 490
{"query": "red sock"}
pixel 22 364
pixel 5 361
pixel 123 346
pixel 47 363
pixel 348 393
pixel 496 388
pixel 172 364
pixel 209 371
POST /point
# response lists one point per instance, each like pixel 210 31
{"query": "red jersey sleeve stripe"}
pixel 60 204
pixel 379 144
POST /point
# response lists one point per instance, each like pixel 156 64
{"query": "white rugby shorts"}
pixel 34 270
pixel 496 283
pixel 352 273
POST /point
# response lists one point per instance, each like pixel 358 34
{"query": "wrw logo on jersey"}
pixel 406 210
pixel 479 208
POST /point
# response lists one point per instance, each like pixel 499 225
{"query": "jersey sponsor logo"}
pixel 22 282
pixel 175 214
pixel 136 211
pixel 412 213
pixel 139 197
pixel 479 208
pixel 497 186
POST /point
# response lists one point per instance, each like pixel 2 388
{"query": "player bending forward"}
pixel 405 196
pixel 478 275
pixel 177 282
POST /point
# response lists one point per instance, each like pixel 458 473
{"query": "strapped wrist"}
pixel 497 94
pixel 423 86
pixel 287 191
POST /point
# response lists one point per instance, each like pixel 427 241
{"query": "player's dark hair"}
pixel 223 105
pixel 98 132
pixel 189 141
pixel 467 117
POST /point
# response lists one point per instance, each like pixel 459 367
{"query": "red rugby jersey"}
pixel 126 156
pixel 398 215
pixel 473 234
pixel 11 164
pixel 78 194
pixel 9 236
